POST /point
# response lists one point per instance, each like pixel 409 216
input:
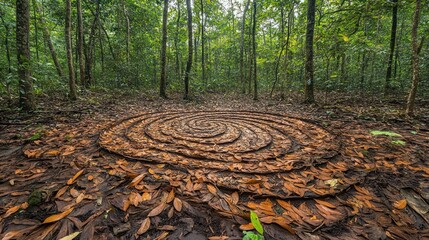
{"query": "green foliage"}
pixel 256 223
pixel 252 236
pixel 385 133
pixel 36 136
pixel 399 142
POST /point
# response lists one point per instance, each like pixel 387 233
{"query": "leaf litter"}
pixel 304 179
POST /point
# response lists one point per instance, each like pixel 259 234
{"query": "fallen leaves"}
pixel 144 226
pixel 157 210
pixel 400 204
pixel 177 203
pixel 59 216
pixel 73 179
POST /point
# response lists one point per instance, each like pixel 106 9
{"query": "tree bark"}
pixel 162 83
pixel 203 65
pixel 255 80
pixel 72 83
pixel 80 43
pixel 90 46
pixel 26 97
pixel 387 86
pixel 36 32
pixel 415 60
pixel 190 50
pixel 243 25
pixel 176 39
pixel 309 65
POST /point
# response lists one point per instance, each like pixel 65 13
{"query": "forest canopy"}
pixel 243 46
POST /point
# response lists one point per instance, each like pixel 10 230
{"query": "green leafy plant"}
pixel 35 136
pixel 248 235
pixel 392 135
pixel 385 133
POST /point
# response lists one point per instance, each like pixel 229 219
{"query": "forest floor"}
pixel 124 167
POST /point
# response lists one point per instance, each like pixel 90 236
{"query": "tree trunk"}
pixel 286 44
pixel 36 32
pixel 176 39
pixel 387 86
pixel 309 65
pixel 163 51
pixel 243 25
pixel 203 65
pixel 6 45
pixel 90 46
pixel 80 43
pixel 72 83
pixel 255 81
pixel 26 97
pixel 127 29
pixel 415 60
pixel 190 50
pixel 47 39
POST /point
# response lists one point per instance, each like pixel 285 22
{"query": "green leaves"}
pixel 385 133
pixel 256 223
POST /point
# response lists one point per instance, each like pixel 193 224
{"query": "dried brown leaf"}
pixel 400 204
pixel 137 180
pixel 157 210
pixel 212 189
pixel 177 203
pixel 170 196
pixel 73 179
pixel 59 216
pixel 324 203
pixel 61 191
pixel 145 225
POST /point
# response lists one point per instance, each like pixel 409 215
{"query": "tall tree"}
pixel 163 51
pixel 89 46
pixel 80 43
pixel 203 64
pixel 309 61
pixel 72 82
pixel 255 81
pixel 387 85
pixel 415 60
pixel 190 49
pixel 26 97
pixel 243 25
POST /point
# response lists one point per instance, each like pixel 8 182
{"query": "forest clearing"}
pixel 214 119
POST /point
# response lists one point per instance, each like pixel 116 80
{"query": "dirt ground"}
pixel 109 167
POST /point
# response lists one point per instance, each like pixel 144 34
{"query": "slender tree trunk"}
pixel 243 25
pixel 203 65
pixel 190 50
pixel 127 29
pixel 72 83
pixel 26 97
pixel 163 51
pixel 387 86
pixel 176 39
pixel 255 79
pixel 47 40
pixel 415 60
pixel 80 43
pixel 89 47
pixel 309 65
pixel 36 32
pixel 6 45
pixel 286 44
pixel 100 42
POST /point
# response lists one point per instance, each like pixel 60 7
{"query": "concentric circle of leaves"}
pixel 267 154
